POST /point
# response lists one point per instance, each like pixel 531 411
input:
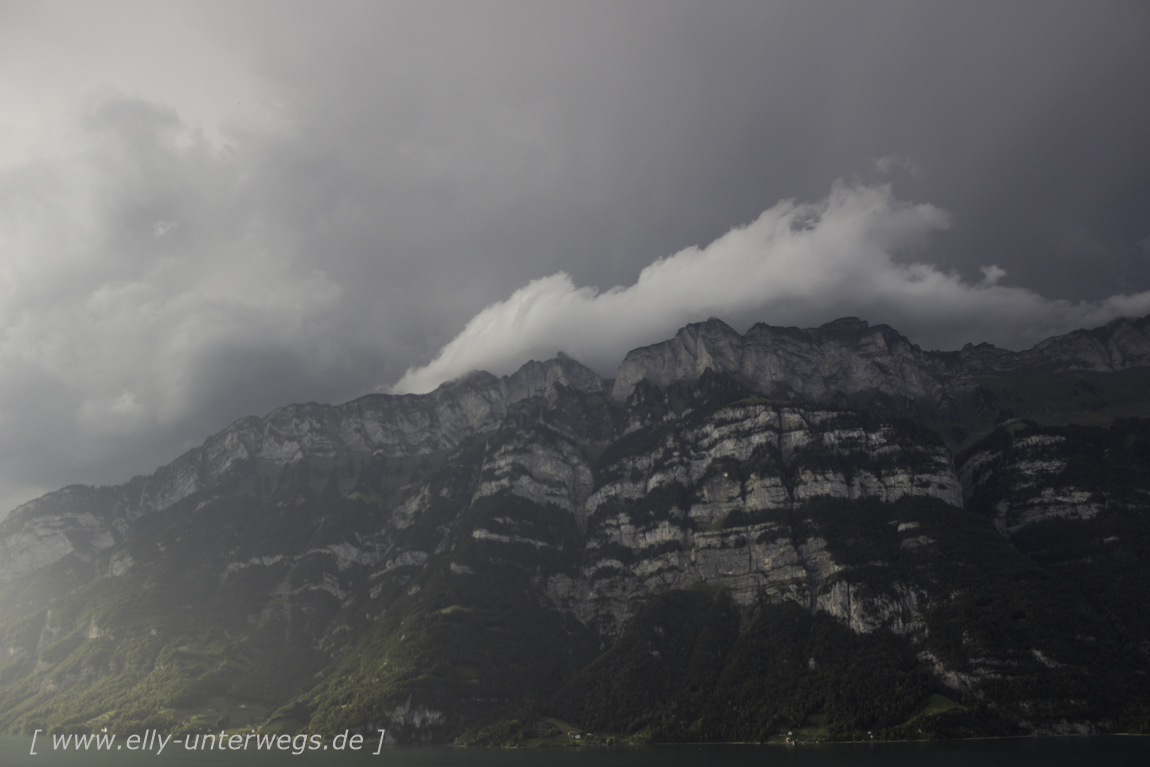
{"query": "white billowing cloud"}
pixel 801 264
pixel 161 228
pixel 888 164
pixel 992 274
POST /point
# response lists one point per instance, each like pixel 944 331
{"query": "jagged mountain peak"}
pixel 533 378
pixel 539 378
pixel 832 363
pixel 839 358
pixel 846 324
pixel 849 356
pixel 1119 344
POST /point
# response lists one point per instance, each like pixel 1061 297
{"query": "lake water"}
pixel 1112 751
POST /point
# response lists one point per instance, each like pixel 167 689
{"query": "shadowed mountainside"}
pixel 738 535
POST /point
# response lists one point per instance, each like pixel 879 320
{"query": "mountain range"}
pixel 827 530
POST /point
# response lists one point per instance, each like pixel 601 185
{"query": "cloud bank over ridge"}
pixel 796 264
pixel 209 210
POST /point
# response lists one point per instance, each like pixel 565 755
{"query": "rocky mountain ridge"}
pixel 849 356
pixel 827 364
pixel 414 552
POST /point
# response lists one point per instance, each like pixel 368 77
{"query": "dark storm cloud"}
pixel 211 209
pixel 141 292
pixel 504 139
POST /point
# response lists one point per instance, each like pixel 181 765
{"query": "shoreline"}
pixel 628 744
pixel 672 744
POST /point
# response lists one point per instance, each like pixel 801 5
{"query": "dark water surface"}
pixel 1041 752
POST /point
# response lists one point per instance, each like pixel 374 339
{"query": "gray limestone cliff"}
pixel 848 356
pixel 81 520
pixel 807 470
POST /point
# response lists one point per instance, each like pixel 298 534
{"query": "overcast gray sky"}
pixel 208 210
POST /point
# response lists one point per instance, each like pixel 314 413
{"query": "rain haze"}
pixel 208 210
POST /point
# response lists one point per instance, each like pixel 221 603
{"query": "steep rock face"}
pixel 83 520
pixel 1121 344
pixel 848 356
pixel 713 502
pixel 841 358
pixel 391 425
pixel 1024 481
pixel 827 364
pixel 557 474
pixel 1075 499
pixel 76 520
